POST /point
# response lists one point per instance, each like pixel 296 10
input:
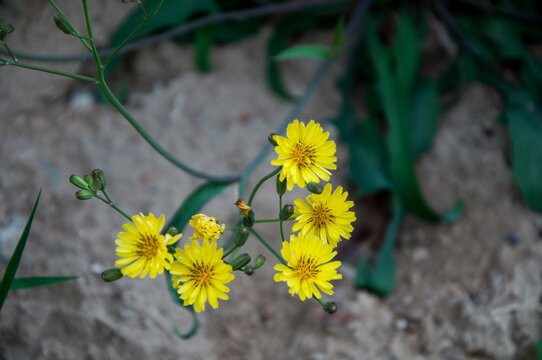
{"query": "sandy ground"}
pixel 467 290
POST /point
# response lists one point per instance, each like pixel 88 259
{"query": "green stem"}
pixel 269 247
pixel 77 34
pixel 47 70
pixel 281 228
pixel 91 38
pixel 229 252
pixel 319 301
pixel 9 51
pixel 112 204
pixel 133 33
pixel 264 179
pixel 231 228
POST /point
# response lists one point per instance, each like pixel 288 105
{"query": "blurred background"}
pixel 436 110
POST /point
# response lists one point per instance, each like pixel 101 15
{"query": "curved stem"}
pixel 47 70
pixel 133 33
pixel 269 247
pixel 281 228
pixel 264 179
pixel 112 204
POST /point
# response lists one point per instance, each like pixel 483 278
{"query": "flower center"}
pixel 321 215
pixel 148 246
pixel 307 268
pixel 302 154
pixel 202 274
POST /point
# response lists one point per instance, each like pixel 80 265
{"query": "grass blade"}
pixel 30 282
pixel 15 259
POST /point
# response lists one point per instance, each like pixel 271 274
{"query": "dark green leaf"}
pixel 425 110
pixel 308 51
pixel 504 36
pixel 203 42
pixel 233 31
pixel 525 122
pixel 338 36
pixel 407 52
pixel 539 350
pixel 194 202
pixel 532 75
pixel 30 282
pixel 13 263
pixel 380 277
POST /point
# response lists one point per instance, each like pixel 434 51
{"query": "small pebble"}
pixel 512 239
pixel 97 268
pixel 401 324
pixel 82 100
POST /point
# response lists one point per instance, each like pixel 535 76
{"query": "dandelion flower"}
pixel 199 274
pixel 206 227
pixel 142 249
pixel 325 216
pixel 305 154
pixel 309 267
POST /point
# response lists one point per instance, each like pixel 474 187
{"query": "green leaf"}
pixel 338 36
pixel 539 350
pixel 395 92
pixel 172 13
pixel 13 263
pixel 525 122
pixel 531 72
pixel 407 52
pixel 504 36
pixel 380 278
pixel 30 282
pixel 203 42
pixel 194 202
pixel 425 109
pixel 307 51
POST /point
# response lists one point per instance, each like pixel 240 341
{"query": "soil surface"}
pixel 466 290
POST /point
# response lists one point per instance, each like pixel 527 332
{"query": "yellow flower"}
pixel 308 267
pixel 325 216
pixel 142 249
pixel 206 227
pixel 305 154
pixel 199 274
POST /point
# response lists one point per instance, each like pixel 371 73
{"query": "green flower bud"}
pixel 258 263
pixel 240 261
pixel 89 180
pixel 271 139
pixel 249 219
pixel 330 307
pixel 286 212
pixel 5 29
pixel 78 181
pixel 84 194
pixel 241 237
pixel 281 185
pixel 315 188
pixel 249 270
pixel 111 275
pixel 98 178
pixel 64 25
pixel 172 231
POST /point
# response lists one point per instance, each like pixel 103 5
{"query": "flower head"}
pixel 199 274
pixel 206 227
pixel 308 267
pixel 325 216
pixel 305 154
pixel 142 249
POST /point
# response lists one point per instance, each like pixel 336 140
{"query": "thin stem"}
pixel 272 220
pixel 229 252
pixel 142 9
pixel 269 247
pixel 47 70
pixel 91 38
pixel 280 225
pixel 281 8
pixel 133 33
pixel 78 35
pixel 9 52
pixel 110 203
pixel 231 228
pixel 319 301
pixel 264 179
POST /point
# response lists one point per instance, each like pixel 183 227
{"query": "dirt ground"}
pixel 467 290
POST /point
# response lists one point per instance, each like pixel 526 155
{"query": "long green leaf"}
pixel 203 42
pixel 425 109
pixel 30 282
pixel 380 278
pixel 13 263
pixel 525 124
pixel 307 51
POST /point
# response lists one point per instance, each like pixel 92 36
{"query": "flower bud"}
pixel 281 185
pixel 240 261
pixel 172 231
pixel 315 188
pixel 78 181
pixel 249 220
pixel 111 275
pixel 5 29
pixel 64 25
pixel 258 263
pixel 249 270
pixel 89 180
pixel 286 212
pixel 241 237
pixel 330 307
pixel 98 178
pixel 84 194
pixel 271 139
